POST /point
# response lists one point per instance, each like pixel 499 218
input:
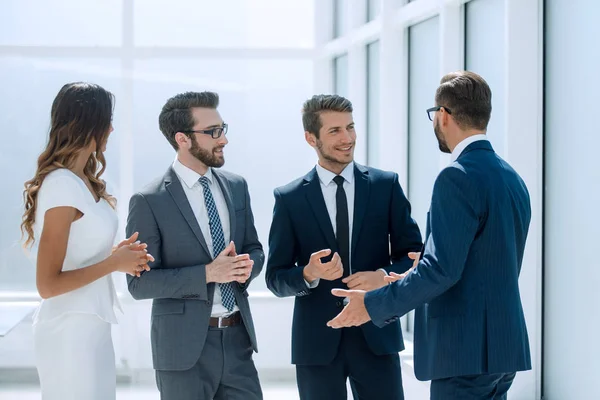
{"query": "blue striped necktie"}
pixel 218 240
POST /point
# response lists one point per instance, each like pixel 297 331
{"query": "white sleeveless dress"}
pixel 72 332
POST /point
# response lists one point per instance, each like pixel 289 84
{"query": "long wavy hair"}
pixel 81 113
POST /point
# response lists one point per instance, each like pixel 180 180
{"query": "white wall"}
pixel 572 182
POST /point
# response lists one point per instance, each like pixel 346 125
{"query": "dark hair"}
pixel 176 114
pixel 81 112
pixel 313 107
pixel 468 97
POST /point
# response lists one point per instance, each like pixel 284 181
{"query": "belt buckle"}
pixel 220 323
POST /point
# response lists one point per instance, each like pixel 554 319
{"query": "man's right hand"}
pixel 329 271
pixel 229 267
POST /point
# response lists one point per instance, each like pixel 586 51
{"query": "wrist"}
pixel 111 265
pixel 308 275
pixel 209 276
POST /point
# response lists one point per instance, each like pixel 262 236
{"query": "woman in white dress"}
pixel 70 225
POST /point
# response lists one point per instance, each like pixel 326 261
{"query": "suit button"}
pixel 209 303
pixel 338 304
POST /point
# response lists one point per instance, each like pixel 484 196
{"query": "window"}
pixel 27 119
pixel 27 23
pixel 484 34
pixel 373 95
pixel 373 9
pixel 424 154
pixel 340 75
pixel 340 17
pixel 258 99
pixel 232 23
pixel 571 192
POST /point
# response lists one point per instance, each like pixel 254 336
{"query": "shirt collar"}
pixel 188 175
pixel 463 145
pixel 326 176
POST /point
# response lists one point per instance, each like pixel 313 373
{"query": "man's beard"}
pixel 330 157
pixel 207 157
pixel 440 138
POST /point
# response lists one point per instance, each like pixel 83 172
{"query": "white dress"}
pixel 72 332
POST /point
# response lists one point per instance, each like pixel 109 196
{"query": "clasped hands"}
pixel 131 256
pixel 229 267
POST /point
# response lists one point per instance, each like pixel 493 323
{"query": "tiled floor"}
pixel 22 392
pixel 413 390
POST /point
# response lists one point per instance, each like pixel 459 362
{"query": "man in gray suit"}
pixel 199 227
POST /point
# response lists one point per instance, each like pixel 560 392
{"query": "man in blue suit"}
pixel 342 225
pixel 470 336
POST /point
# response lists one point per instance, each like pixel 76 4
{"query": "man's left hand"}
pixel 353 314
pixel 367 280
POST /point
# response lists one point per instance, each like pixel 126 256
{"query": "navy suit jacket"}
pixel 383 233
pixel 469 318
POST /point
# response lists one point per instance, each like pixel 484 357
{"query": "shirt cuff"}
pixel 314 283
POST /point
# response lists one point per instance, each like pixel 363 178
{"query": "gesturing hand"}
pixel 330 271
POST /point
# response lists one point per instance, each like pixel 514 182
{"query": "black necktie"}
pixel 342 224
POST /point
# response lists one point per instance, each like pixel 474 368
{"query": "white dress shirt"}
pixel 329 189
pixel 195 195
pixel 463 145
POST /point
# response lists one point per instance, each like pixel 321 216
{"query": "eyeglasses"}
pixel 215 132
pixel 431 111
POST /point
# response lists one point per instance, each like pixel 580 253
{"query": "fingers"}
pixel 338 321
pixel 241 275
pixel 352 277
pixel 132 238
pixel 227 250
pixel 393 277
pixel 243 264
pixel 415 256
pixel 333 269
pixel 341 292
pixel 314 257
pixel 233 252
pixel 241 257
pixel 357 283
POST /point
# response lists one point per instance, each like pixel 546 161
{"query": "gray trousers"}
pixel 225 370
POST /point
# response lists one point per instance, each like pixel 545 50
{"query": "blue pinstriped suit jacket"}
pixel 469 318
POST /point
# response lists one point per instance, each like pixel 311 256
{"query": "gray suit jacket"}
pixel 182 302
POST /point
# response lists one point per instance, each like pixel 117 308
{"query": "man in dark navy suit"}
pixel 342 225
pixel 470 336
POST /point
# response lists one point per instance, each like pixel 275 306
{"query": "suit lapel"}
pixel 226 189
pixel 173 186
pixel 314 196
pixel 361 199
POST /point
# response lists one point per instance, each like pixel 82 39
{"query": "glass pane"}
pixel 340 17
pixel 260 103
pixel 340 75
pixel 572 180
pixel 31 85
pixel 232 23
pixel 423 152
pixel 373 9
pixel 373 94
pixel 484 34
pixel 61 23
